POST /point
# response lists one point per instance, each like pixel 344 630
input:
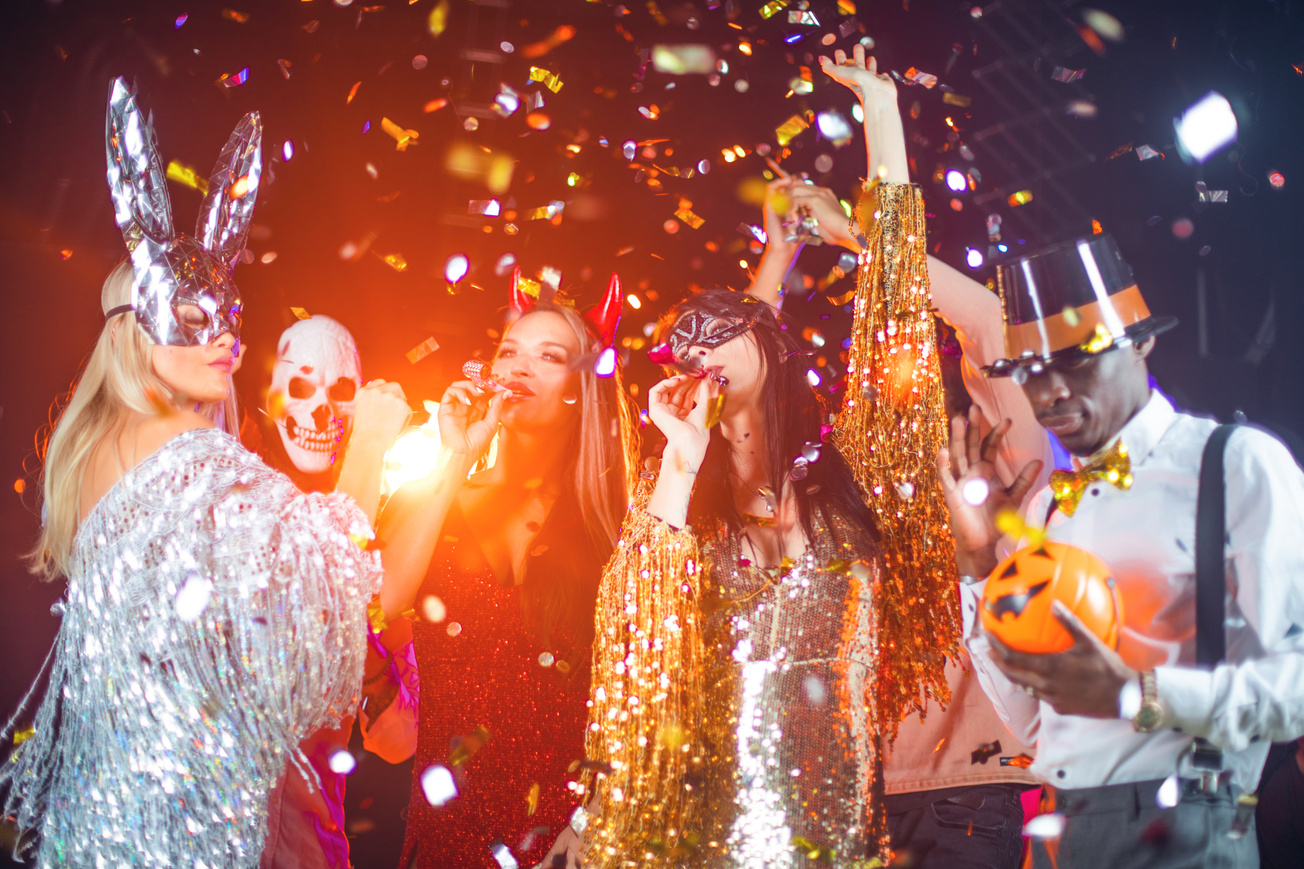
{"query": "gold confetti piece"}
pixel 187 176
pixel 301 313
pixel 465 747
pixel 940 743
pixel 395 261
pixel 846 7
pixel 1120 151
pixel 362 536
pixel 353 92
pixel 954 99
pixel 687 216
pixel 20 486
pixel 657 15
pixel 790 129
pixel 771 9
pixel 532 800
pixel 531 288
pixel 237 17
pixel 1071 316
pixel 714 408
pixel 1096 228
pixel 550 80
pixel 402 137
pixel 1099 341
pixel 1023 197
pixel 376 615
pixel 1022 761
pixel 1011 523
pixel 818 853
pixel 434 105
pixel 438 20
pixel 26 733
pixel 65 254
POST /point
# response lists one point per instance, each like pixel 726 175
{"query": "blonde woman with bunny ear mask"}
pixel 214 615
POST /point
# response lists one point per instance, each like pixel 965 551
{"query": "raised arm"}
pixel 413 521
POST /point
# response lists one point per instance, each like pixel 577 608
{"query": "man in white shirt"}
pixel 1112 726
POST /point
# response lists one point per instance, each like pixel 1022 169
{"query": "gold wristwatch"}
pixel 1151 714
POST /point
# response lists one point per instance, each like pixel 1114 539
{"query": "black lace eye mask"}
pixel 694 330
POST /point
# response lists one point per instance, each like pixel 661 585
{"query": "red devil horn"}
pixel 605 316
pixel 521 303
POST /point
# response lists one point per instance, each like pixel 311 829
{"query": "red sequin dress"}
pixel 481 668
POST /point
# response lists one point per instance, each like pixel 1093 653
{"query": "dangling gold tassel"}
pixel 644 734
pixel 891 426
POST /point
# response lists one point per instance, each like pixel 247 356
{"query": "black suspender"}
pixel 1211 575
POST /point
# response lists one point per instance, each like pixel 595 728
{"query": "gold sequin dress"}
pixel 738 713
pixel 214 617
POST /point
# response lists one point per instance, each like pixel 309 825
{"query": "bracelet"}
pixel 969 579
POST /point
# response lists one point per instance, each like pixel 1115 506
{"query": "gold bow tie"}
pixel 1113 467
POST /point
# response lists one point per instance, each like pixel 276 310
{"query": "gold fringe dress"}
pixel 737 714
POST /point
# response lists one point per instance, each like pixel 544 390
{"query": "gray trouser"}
pixel 1122 827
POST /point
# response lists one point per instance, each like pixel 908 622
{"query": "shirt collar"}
pixel 1142 432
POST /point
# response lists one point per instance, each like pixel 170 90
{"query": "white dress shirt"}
pixel 1147 537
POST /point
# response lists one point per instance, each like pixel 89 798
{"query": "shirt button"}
pixel 1059 773
pixel 1095 491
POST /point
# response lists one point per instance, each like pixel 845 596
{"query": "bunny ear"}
pixel 136 180
pixel 228 207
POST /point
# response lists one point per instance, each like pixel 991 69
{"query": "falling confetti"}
pixel 301 313
pixel 1049 826
pixel 422 350
pixel 790 129
pixel 233 80
pixel 1067 75
pixel 342 762
pixel 550 80
pixel 437 785
pixel 402 137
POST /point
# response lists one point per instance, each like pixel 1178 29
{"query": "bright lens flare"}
pixel 606 364
pixel 974 258
pixel 456 268
pixel 342 762
pixel 975 492
pixel 437 784
pixel 1206 126
pixel 956 181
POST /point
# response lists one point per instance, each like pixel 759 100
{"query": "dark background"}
pixel 1235 350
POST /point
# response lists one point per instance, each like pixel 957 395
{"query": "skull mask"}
pixel 314 381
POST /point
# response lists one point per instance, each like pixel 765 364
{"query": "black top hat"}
pixel 1069 300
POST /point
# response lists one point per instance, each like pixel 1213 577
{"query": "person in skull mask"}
pixel 310 401
pixel 215 615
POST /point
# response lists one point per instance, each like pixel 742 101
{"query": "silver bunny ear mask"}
pixel 182 293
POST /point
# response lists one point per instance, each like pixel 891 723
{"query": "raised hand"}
pixel 822 204
pixel 678 407
pixel 468 420
pixel 380 412
pixel 862 77
pixel 971 457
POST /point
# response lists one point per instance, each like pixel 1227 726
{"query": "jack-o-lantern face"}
pixel 1017 599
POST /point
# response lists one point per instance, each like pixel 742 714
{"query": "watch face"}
pixel 1149 717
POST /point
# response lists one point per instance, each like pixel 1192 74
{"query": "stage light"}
pixel 956 181
pixel 456 268
pixel 1206 126
pixel 974 258
pixel 415 454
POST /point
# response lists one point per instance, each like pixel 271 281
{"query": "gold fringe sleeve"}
pixel 643 741
pixel 890 428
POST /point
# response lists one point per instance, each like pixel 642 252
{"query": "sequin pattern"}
pixel 480 667
pixel 214 617
pixel 790 731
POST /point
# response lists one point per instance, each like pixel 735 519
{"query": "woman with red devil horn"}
pixel 503 571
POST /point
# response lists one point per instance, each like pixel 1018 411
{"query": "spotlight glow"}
pixel 956 181
pixel 974 258
pixel 1206 126
pixel 342 762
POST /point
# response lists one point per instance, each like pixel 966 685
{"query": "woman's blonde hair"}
pixel 117 378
